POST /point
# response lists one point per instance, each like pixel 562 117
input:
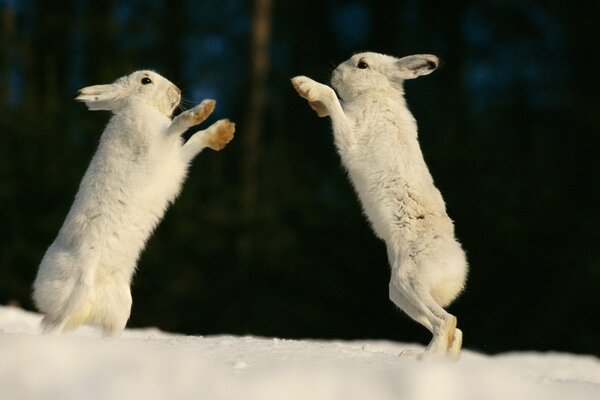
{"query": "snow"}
pixel 149 364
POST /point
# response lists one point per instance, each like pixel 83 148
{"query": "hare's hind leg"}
pixel 113 307
pixel 399 300
pixel 215 136
pixel 191 117
pixel 416 301
pixel 403 304
pixel 446 338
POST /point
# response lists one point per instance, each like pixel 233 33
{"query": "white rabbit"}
pixel 137 171
pixel 376 138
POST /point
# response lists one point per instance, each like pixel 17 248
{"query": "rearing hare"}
pixel 137 171
pixel 376 137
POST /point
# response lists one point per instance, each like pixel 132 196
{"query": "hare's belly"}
pixel 378 215
pixel 374 206
pixel 137 212
pixel 128 230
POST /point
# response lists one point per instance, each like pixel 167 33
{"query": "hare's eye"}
pixel 362 65
pixel 146 80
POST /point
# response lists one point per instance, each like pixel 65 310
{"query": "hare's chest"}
pixel 374 148
pixel 140 163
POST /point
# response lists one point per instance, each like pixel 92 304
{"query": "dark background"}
pixel 267 237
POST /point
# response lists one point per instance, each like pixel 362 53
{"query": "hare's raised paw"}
pixel 199 113
pixel 316 93
pixel 191 117
pixel 220 134
pixel 307 88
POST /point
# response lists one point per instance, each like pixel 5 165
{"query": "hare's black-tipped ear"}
pixel 98 97
pixel 411 67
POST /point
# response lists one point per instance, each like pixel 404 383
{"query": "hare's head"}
pixel 367 71
pixel 140 87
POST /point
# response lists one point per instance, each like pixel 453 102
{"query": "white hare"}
pixel 376 138
pixel 137 171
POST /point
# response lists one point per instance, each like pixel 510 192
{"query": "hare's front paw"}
pixel 317 94
pixel 220 134
pixel 199 113
pixel 309 89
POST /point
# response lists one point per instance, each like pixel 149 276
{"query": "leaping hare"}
pixel 137 171
pixel 376 138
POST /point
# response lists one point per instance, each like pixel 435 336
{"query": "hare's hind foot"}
pixel 449 330
pixel 456 345
pixel 220 134
pixel 411 353
pixel 52 325
pixel 454 338
pixel 446 342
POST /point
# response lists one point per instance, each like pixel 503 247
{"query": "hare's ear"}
pixel 99 97
pixel 411 67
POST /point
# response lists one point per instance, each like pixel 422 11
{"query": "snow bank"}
pixel 149 364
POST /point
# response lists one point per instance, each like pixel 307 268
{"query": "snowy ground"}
pixel 149 364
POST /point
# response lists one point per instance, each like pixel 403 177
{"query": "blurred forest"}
pixel 267 237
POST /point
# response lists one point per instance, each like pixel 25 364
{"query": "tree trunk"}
pixel 260 62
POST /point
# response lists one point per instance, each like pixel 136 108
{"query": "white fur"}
pixel 137 171
pixel 376 137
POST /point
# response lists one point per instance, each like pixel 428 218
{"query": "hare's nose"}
pixel 173 91
pixel 174 95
